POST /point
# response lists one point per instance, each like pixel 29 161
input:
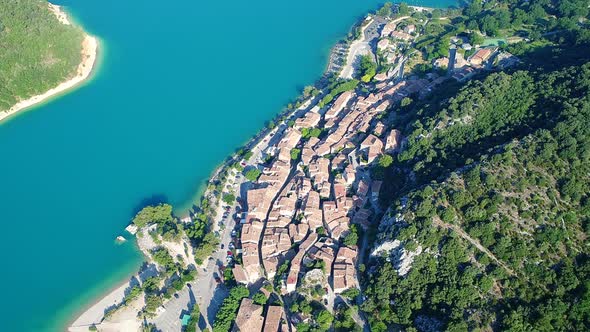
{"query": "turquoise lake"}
pixel 180 86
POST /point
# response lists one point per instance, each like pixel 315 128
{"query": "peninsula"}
pixel 436 178
pixel 40 65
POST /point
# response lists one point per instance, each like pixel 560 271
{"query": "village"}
pixel 315 190
pixel 293 211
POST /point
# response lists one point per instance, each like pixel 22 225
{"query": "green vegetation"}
pixel 295 154
pixel 253 174
pixel 352 238
pixel 194 320
pixel 310 91
pixel 205 247
pixel 157 214
pixel 229 309
pixel 161 215
pixel 368 68
pixel 351 293
pixel 493 186
pixel 385 11
pixel 37 52
pixel 152 302
pixel 196 230
pixel 311 132
pixel 260 298
pixel 403 9
pixel 133 294
pixel 321 231
pixel 345 322
pixel 247 155
pixel 228 198
pixel 163 258
pixel 336 89
pixel 320 318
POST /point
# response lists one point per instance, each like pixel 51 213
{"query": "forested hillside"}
pixel 495 206
pixel 487 205
pixel 37 52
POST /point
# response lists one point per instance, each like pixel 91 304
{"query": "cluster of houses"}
pixel 463 68
pixel 393 40
pixel 301 208
pixel 251 317
pixel 299 211
pixel 396 36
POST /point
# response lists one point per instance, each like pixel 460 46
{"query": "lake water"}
pixel 181 85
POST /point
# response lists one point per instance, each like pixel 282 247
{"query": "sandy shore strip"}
pixel 60 14
pixel 95 313
pixel 89 56
pixel 421 9
pixel 124 319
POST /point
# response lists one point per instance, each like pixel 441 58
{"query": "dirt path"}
pixel 473 241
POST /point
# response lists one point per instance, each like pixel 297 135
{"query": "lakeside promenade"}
pixel 355 117
pixel 126 319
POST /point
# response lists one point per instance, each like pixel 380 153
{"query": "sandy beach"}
pixel 124 319
pixel 88 54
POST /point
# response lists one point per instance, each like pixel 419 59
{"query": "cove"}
pixel 181 85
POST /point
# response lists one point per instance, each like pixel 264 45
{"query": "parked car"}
pixel 231 246
pixel 218 280
pixel 229 253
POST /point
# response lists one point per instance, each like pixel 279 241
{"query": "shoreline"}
pixel 89 54
pixel 81 319
pixel 91 311
pixel 87 317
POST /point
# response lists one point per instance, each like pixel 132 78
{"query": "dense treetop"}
pixel 37 52
pixel 495 198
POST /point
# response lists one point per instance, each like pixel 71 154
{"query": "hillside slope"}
pixel 495 208
pixel 37 51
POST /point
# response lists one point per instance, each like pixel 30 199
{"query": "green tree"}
pixel 153 214
pixel 260 298
pixel 228 198
pixel 295 154
pixel 385 161
pixel 229 308
pixel 368 68
pixel 253 174
pixel 385 11
pixel 351 293
pixel 406 101
pixel 324 319
pixel 163 258
pixel 404 9
pixel 38 52
pixel 475 38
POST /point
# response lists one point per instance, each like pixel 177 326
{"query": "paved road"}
pixel 204 290
pixel 357 48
